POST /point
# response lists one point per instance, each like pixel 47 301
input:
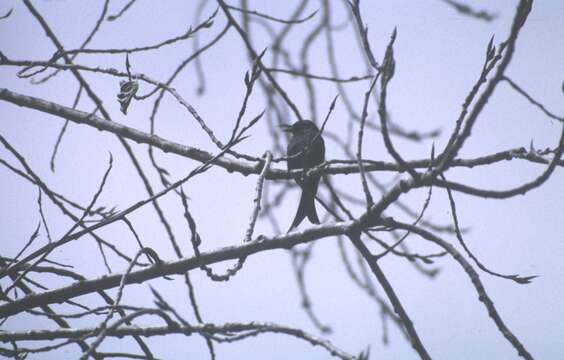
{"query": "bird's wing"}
pixel 318 154
pixel 315 154
pixel 295 147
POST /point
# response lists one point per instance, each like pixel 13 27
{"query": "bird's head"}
pixel 300 126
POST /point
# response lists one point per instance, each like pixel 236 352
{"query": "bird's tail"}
pixel 306 207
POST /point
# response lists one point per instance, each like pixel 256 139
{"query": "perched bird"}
pixel 306 150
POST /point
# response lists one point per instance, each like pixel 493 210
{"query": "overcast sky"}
pixel 439 54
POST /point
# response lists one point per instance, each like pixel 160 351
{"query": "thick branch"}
pixel 245 167
pixel 175 267
pixel 252 329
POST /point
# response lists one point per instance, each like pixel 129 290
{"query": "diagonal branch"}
pixel 260 244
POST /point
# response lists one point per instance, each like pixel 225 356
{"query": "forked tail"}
pixel 306 207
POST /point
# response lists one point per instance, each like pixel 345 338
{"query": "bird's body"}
pixel 306 150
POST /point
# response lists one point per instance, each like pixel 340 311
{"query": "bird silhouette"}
pixel 306 149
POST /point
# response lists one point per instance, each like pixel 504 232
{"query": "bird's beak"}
pixel 286 128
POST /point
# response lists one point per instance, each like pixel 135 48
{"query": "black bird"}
pixel 306 150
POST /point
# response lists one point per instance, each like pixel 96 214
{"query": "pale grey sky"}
pixel 439 54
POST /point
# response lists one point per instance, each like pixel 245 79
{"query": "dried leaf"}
pixel 127 91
